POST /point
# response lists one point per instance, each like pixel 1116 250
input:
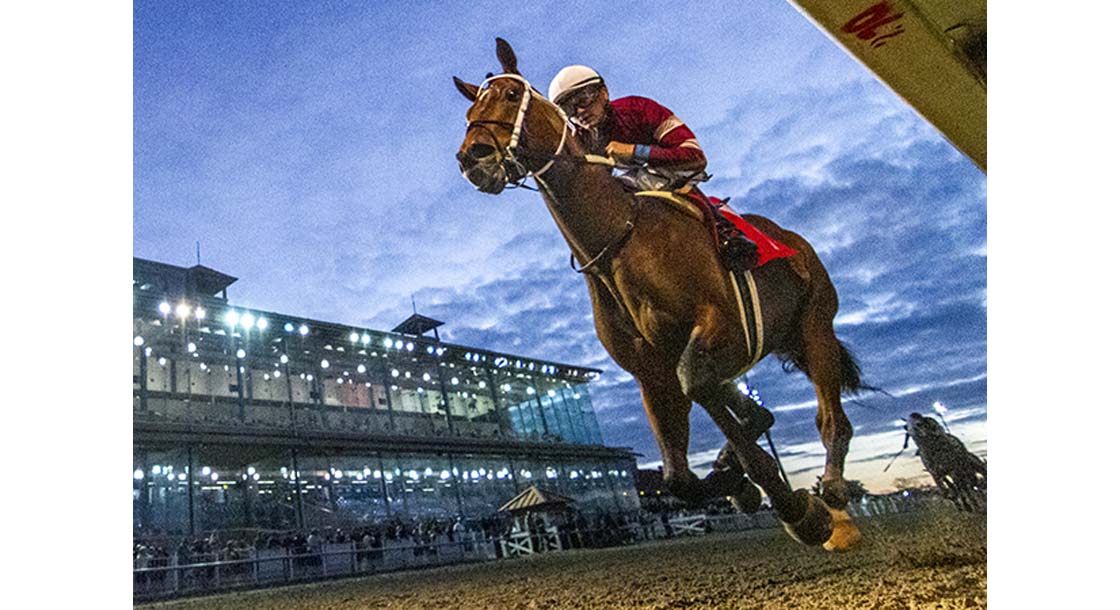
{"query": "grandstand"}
pixel 245 418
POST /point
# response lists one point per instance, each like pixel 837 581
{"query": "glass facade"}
pixel 284 489
pixel 228 403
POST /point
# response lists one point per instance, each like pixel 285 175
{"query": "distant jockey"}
pixel 660 150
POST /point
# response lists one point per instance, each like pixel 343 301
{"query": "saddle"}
pixel 705 210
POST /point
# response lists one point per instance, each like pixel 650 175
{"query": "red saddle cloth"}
pixel 768 248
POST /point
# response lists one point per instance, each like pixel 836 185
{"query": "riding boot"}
pixel 736 251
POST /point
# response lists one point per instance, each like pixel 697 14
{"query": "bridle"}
pixel 516 170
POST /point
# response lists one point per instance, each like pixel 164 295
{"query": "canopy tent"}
pixel 533 499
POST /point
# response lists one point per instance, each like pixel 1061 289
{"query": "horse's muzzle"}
pixel 486 174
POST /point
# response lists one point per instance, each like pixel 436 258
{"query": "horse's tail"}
pixel 850 373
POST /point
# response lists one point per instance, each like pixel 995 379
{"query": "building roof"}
pixel 417 324
pixel 533 498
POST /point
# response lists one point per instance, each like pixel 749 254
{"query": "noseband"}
pixel 516 172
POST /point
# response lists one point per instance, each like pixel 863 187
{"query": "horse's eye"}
pixel 512 95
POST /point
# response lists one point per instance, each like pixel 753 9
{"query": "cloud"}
pixel 310 150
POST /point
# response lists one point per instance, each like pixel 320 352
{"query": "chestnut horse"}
pixel 665 309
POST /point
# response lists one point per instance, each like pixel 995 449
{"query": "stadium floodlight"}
pixel 276 374
pixel 325 364
pixel 454 381
pixel 138 474
pixel 427 377
pixel 303 330
pixel 482 385
pixel 199 313
pixel 138 340
pixel 240 353
pixel 247 320
pixel 387 343
pixel 409 346
pixel 262 323
pixel 366 339
pixel 361 368
pixel 191 347
pixel 232 317
pixel 165 308
pixel 431 349
pixel 444 475
pixel 289 327
pixel 162 361
pixel 182 310
pixel 283 359
pixel 213 476
pixel 552 393
pixel 205 471
pixel 399 344
pixel 147 352
pixel 530 391
pixel 353 337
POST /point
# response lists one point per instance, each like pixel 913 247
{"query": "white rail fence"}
pixel 177 576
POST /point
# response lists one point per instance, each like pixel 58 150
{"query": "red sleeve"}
pixel 671 142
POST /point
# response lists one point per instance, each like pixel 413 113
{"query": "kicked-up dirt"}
pixel 914 561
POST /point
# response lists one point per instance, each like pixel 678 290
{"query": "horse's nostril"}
pixel 480 151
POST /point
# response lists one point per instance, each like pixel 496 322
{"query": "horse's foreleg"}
pixel 704 369
pixel 667 410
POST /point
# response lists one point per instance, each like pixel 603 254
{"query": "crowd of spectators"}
pixel 575 529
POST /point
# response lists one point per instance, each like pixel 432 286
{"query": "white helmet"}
pixel 571 78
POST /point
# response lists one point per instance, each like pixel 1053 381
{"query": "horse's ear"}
pixel 468 90
pixel 507 58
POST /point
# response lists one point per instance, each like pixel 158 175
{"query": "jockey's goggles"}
pixel 580 99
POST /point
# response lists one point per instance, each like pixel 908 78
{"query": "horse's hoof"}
pixel 748 500
pixel 815 525
pixel 845 534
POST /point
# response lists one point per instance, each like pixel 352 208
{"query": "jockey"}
pixel 659 149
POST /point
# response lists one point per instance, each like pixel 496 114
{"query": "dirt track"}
pixel 912 561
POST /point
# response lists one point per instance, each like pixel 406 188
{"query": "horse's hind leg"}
pixel 827 364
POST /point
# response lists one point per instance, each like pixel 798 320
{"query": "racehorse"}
pixel 961 476
pixel 665 309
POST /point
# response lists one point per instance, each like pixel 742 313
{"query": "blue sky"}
pixel 309 147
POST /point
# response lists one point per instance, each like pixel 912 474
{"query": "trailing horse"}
pixel 666 310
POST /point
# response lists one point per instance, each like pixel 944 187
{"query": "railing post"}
pixel 289 569
pixel 175 572
pixel 256 565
